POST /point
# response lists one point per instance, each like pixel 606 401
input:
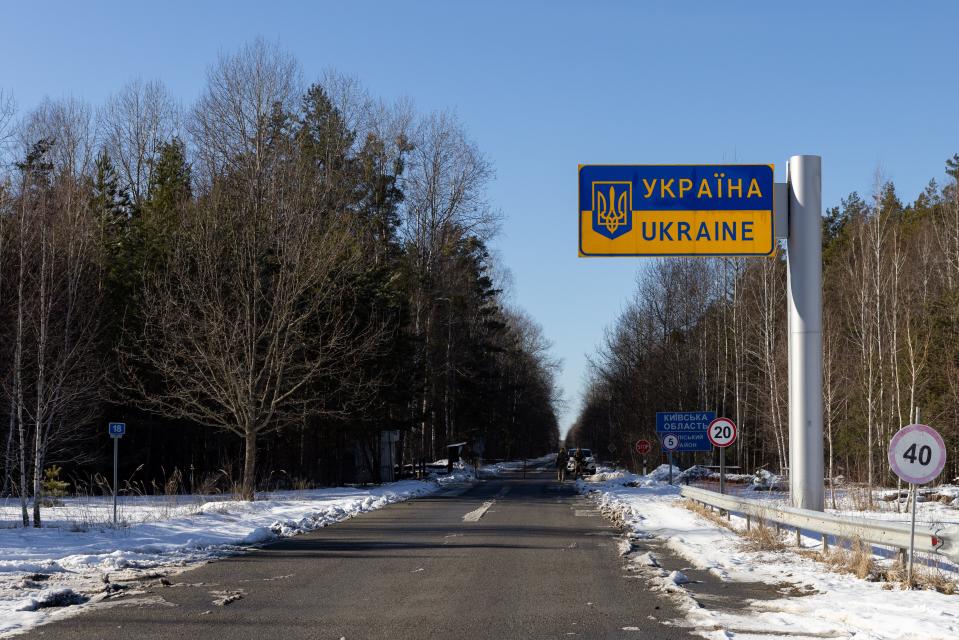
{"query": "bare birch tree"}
pixel 231 122
pixel 135 123
pixel 8 110
pixel 58 312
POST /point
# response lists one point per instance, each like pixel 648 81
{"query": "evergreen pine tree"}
pixel 169 188
pixel 952 166
pixel 111 203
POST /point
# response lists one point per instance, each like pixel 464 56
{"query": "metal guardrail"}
pixel 942 540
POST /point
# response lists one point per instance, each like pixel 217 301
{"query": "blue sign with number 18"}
pixel 117 429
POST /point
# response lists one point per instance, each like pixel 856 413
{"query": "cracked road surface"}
pixel 507 558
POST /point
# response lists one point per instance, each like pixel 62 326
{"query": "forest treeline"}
pixel 258 284
pixel 711 334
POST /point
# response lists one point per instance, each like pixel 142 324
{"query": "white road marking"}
pixel 475 515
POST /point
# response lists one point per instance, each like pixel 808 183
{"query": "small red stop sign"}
pixel 643 447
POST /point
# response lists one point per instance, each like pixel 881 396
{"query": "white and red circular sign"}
pixel 721 432
pixel 670 442
pixel 917 454
pixel 643 447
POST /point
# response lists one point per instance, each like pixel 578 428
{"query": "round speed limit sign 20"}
pixel 722 432
pixel 917 454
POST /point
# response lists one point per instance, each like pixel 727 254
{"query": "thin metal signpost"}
pixel 116 430
pixel 914 490
pixel 912 535
pixel 722 470
pixel 116 449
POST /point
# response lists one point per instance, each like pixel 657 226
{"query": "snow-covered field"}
pixel 840 606
pixel 68 560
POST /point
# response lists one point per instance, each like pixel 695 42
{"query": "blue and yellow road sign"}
pixel 676 210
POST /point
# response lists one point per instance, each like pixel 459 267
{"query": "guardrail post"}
pixel 825 543
pixel 748 522
pixel 804 286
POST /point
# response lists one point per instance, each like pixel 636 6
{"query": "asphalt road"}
pixel 508 558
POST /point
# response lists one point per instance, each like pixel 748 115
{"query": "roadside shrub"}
pixel 53 487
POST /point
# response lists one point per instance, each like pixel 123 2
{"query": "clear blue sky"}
pixel 544 86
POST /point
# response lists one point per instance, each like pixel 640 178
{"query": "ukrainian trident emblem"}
pixel 612 208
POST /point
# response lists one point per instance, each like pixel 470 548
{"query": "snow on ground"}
pixel 461 473
pixel 840 606
pixel 70 558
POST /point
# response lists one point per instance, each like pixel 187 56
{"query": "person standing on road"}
pixel 561 459
pixel 469 456
pixel 578 466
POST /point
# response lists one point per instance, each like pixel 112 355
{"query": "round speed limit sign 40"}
pixel 722 432
pixel 917 454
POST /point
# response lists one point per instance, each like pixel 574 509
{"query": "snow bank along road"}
pixel 506 558
pixel 44 570
pixel 798 598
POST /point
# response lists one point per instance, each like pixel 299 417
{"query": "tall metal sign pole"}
pixel 804 285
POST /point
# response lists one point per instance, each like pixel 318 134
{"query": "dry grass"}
pixel 214 483
pixel 853 557
pixel 708 513
pixel 861 498
pixel 924 576
pixel 759 537
pixel 762 537
pixel 174 484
